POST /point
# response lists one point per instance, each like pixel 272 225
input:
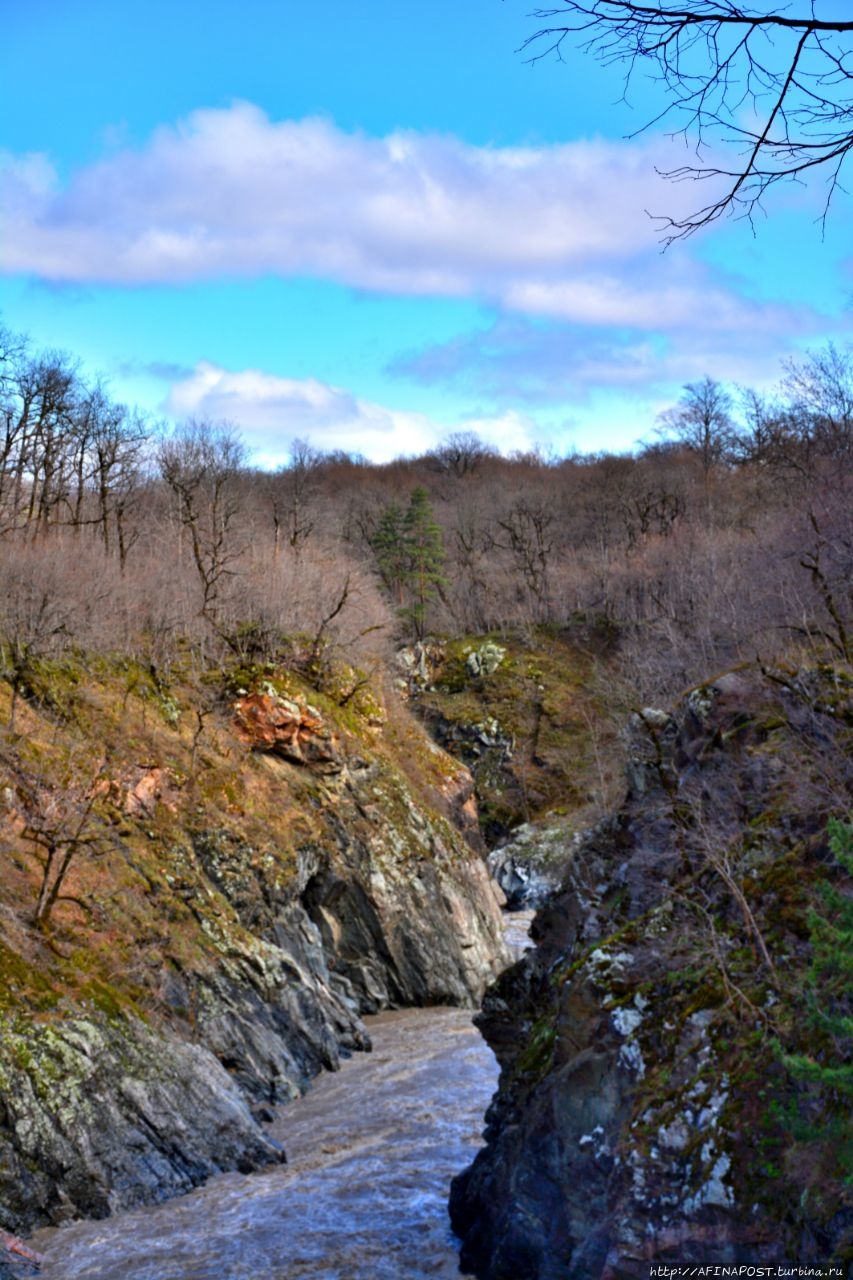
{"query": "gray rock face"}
pixel 637 1118
pixel 407 915
pixel 95 1117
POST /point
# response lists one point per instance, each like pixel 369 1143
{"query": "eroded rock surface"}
pixel 532 864
pixel 294 730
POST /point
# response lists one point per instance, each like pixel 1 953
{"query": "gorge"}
pixel 238 826
pixel 630 1123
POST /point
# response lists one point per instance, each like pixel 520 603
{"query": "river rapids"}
pixel 371 1151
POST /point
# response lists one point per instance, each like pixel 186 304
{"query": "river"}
pixel 371 1150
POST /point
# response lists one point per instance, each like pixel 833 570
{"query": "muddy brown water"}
pixel 371 1151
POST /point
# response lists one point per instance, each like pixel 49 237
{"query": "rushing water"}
pixel 371 1150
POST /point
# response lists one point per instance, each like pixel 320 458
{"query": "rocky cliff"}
pixel 649 1109
pixel 252 868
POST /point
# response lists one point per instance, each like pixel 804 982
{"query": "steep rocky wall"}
pixel 97 1116
pixel 645 1113
pixel 226 939
pixel 405 916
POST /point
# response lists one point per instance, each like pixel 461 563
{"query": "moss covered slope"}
pixel 530 714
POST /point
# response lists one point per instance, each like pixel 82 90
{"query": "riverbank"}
pixel 371 1152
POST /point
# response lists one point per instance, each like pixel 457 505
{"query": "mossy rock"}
pixel 526 722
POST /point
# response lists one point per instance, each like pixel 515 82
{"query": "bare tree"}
pixel 526 532
pixel 462 452
pixel 472 571
pixel 829 562
pixel 294 496
pixel 14 416
pixel 118 443
pixel 702 421
pixel 650 510
pixel 200 463
pixel 38 397
pixel 49 461
pixel 774 84
pixel 758 436
pixel 820 388
pixel 36 619
pixel 59 822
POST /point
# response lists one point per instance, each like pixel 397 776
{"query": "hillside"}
pixel 249 872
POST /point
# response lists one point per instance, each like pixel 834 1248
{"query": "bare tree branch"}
pixel 775 85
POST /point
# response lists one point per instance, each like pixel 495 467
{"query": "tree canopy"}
pixel 767 82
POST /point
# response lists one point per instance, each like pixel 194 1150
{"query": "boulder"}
pixel 533 863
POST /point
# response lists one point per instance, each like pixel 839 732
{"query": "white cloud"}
pixel 682 297
pixel 526 361
pixel 555 230
pixel 553 233
pixel 510 432
pixel 272 411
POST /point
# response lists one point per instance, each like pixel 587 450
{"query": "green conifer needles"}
pixel 409 550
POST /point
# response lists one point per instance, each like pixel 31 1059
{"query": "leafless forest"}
pixel 729 537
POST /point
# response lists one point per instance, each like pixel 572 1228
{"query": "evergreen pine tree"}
pixel 425 552
pixel 409 550
pixel 830 980
pixel 389 546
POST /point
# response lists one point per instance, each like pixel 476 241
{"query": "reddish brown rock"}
pixel 286 728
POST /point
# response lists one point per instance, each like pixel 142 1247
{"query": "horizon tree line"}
pixel 728 532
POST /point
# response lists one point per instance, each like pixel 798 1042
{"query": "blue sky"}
pixel 372 225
